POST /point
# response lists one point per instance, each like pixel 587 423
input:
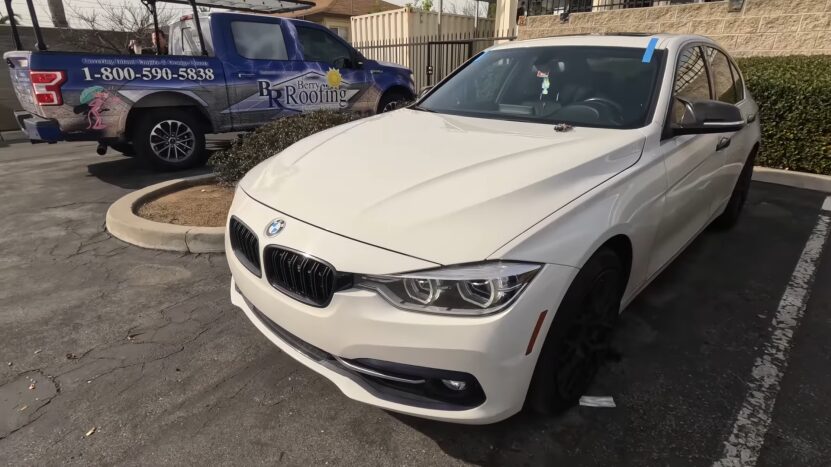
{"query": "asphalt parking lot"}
pixel 145 347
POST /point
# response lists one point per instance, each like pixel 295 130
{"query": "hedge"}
pixel 251 149
pixel 794 97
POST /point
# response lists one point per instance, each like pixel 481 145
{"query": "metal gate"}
pixel 432 57
pixel 445 56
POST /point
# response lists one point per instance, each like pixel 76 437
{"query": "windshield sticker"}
pixel 650 49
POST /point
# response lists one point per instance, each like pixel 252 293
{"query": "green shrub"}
pixel 794 96
pixel 251 149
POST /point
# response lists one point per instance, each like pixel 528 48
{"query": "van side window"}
pixel 691 82
pixel 259 41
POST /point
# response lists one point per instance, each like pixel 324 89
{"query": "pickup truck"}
pixel 247 70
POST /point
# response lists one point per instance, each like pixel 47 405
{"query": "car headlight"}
pixel 477 289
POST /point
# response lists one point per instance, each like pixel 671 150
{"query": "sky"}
pixel 86 6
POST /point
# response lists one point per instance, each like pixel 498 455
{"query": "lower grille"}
pixel 302 277
pixel 245 245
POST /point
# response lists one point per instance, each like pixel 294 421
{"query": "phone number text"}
pixel 148 74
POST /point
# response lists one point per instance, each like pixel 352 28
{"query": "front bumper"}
pixel 359 324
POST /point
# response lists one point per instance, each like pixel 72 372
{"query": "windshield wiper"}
pixel 421 109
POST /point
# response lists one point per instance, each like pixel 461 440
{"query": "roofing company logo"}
pixel 333 78
pixel 308 91
pixel 275 227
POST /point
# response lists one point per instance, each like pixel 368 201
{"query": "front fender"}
pixel 629 204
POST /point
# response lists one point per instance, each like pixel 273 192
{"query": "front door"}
pixel 692 165
pixel 335 79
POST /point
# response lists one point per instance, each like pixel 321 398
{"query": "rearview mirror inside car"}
pixel 708 116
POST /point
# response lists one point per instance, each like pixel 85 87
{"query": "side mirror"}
pixel 708 116
pixel 424 91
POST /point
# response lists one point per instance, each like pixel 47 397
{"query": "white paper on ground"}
pixel 597 401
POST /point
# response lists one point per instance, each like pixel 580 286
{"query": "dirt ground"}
pixel 200 205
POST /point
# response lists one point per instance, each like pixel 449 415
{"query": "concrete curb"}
pixel 794 179
pixel 124 224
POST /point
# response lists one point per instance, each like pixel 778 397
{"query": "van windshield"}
pixel 606 87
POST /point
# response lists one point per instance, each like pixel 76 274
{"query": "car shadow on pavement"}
pixel 131 173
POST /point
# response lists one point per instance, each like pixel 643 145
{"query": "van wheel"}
pixel 579 336
pixel 170 139
pixel 731 213
pixel 392 100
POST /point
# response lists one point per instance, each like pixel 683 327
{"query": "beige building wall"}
pixel 761 28
pixel 407 24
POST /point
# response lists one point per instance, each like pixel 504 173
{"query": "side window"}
pixel 259 41
pixel 320 46
pixel 722 76
pixel 691 82
pixel 737 82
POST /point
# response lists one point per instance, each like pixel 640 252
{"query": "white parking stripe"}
pixel 745 442
pixel 826 206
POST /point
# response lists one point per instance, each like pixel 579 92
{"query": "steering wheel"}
pixel 608 104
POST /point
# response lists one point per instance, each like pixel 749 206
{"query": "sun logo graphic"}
pixel 333 78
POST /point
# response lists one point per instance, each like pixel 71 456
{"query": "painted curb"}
pixel 794 179
pixel 124 224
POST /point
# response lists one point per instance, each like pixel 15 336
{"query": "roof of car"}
pixel 640 40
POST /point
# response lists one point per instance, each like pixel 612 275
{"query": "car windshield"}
pixel 606 87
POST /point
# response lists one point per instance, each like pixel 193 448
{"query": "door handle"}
pixel 723 142
pixel 751 118
pixel 245 75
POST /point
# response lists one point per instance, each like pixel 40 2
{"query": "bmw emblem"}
pixel 276 226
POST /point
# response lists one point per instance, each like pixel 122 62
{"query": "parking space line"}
pixel 743 446
pixel 826 206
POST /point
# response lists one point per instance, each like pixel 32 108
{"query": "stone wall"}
pixel 762 27
pixel 68 40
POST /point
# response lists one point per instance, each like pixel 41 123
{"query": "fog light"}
pixel 454 385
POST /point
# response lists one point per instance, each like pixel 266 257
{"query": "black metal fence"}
pixel 430 57
pixel 550 7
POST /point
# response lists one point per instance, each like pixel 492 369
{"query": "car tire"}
pixel 733 211
pixel 579 336
pixel 170 139
pixel 392 100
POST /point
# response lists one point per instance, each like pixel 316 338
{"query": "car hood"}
pixel 442 188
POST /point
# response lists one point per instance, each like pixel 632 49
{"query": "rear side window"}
pixel 725 87
pixel 737 82
pixel 259 41
pixel 321 46
pixel 691 82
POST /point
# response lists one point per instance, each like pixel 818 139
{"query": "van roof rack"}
pixel 252 6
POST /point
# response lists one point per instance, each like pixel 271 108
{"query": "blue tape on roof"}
pixel 650 49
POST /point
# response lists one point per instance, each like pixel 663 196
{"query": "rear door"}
pixel 692 164
pixel 259 59
pixel 728 87
pixel 18 62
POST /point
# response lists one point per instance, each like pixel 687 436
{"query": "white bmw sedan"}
pixel 468 256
